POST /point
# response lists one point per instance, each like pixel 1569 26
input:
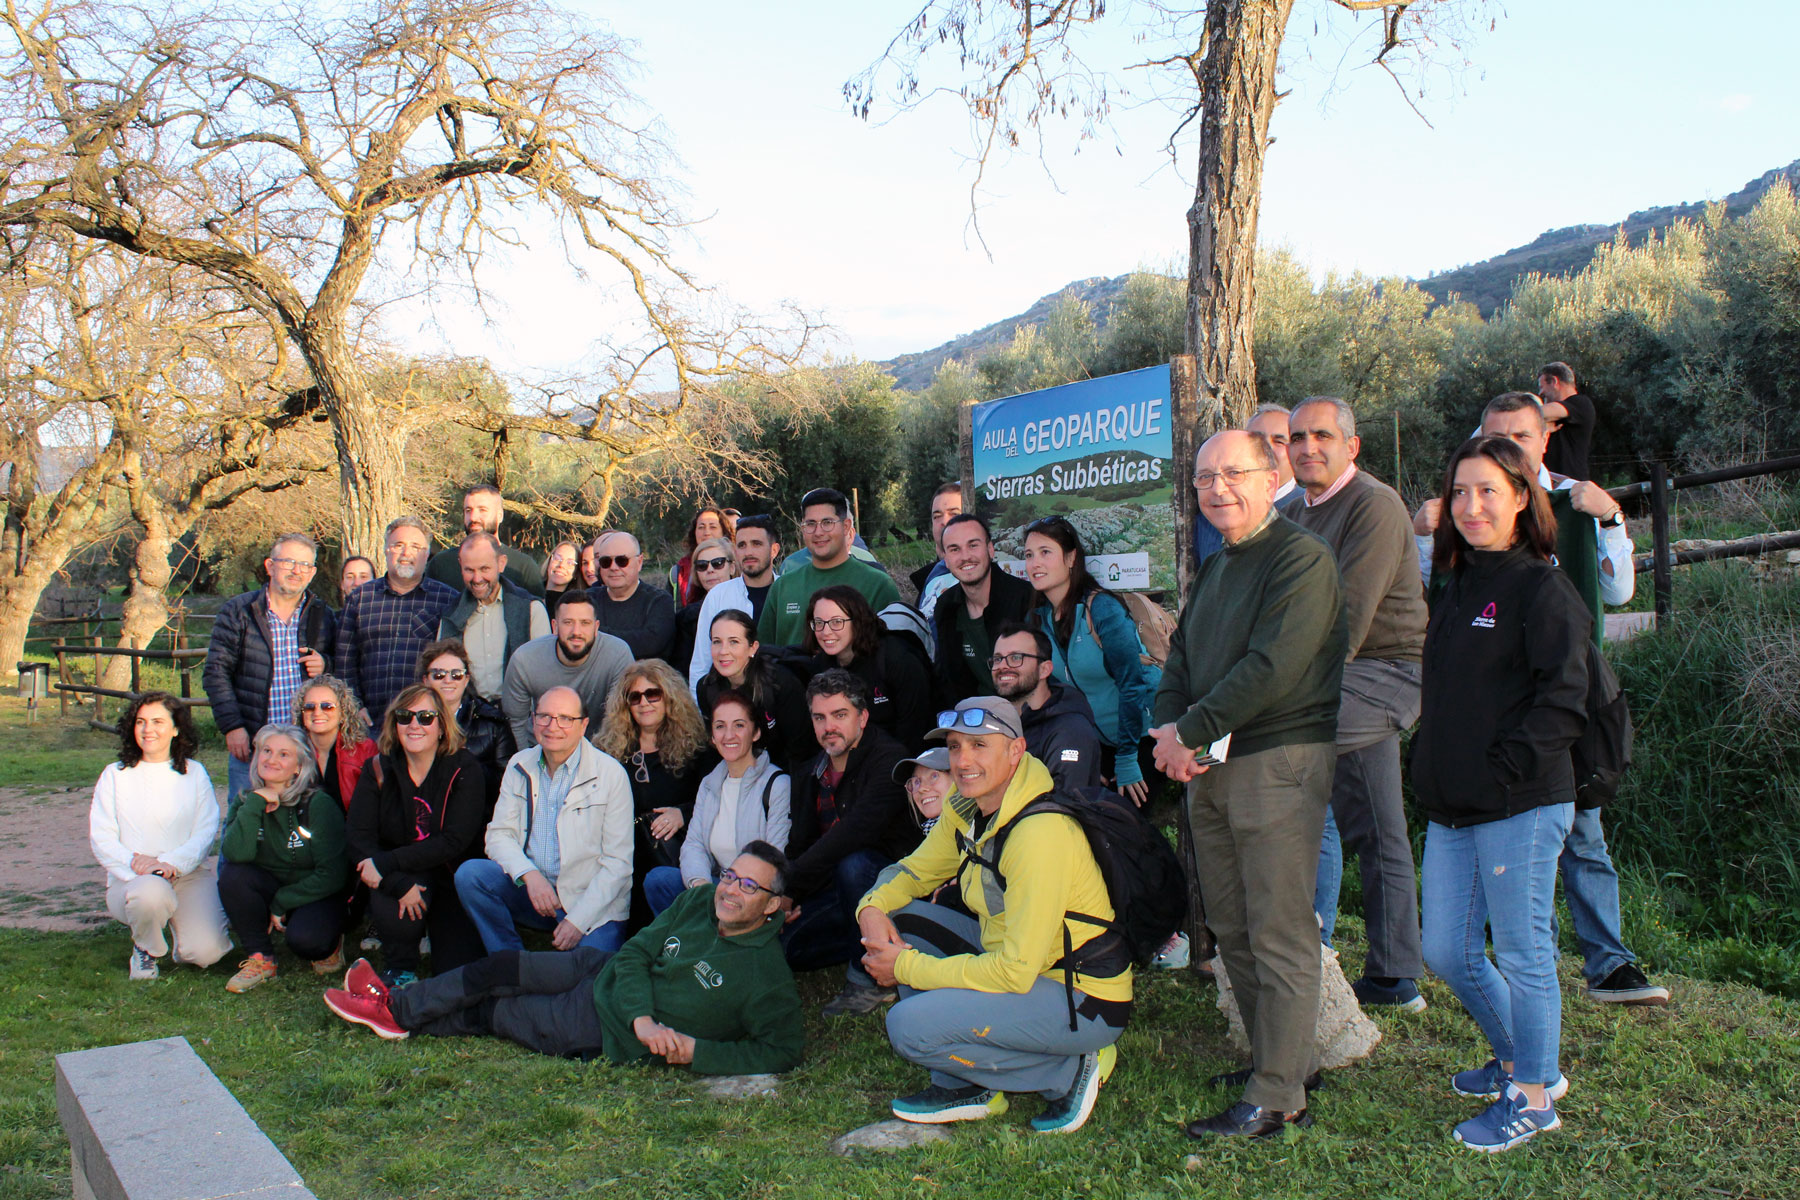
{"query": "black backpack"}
pixel 1602 754
pixel 1144 881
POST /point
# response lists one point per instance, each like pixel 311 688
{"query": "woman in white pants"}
pixel 153 821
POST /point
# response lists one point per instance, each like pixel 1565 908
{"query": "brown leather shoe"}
pixel 1247 1120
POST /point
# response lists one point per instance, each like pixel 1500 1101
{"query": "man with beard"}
pixel 483 510
pixel 575 655
pixel 970 612
pixel 828 529
pixel 387 621
pixel 492 619
pixel 1058 725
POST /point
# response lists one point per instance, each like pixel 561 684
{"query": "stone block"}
pixel 887 1136
pixel 1344 1033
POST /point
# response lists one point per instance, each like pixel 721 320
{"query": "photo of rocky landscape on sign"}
pixel 1144 524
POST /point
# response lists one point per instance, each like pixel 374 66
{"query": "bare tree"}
pixel 286 151
pixel 1026 62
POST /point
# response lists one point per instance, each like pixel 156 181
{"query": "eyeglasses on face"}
pixel 711 564
pixel 560 720
pixel 319 706
pixel 744 883
pixel 649 695
pixel 919 781
pixel 1204 480
pixel 608 561
pixel 425 716
pixel 454 674
pixel 295 564
pixel 832 623
pixel 1015 659
pixel 824 526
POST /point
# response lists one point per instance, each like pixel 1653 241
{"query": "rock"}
pixel 889 1135
pixel 1344 1033
pixel 737 1087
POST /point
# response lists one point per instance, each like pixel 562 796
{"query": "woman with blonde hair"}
pixel 652 726
pixel 336 735
pixel 713 564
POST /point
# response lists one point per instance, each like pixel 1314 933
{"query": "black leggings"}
pixel 454 940
pixel 247 890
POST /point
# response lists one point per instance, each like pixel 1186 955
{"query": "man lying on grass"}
pixel 704 985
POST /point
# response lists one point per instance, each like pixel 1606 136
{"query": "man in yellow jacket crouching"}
pixel 1026 995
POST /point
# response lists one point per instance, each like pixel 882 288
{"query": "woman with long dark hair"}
pixel 418 814
pixel 1095 647
pixel 562 571
pixel 779 698
pixel 1504 698
pixel 151 825
pixel 842 630
pixel 444 667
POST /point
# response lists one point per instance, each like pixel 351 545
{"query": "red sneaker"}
pixel 363 980
pixel 365 1010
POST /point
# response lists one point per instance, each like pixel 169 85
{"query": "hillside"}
pixel 914 371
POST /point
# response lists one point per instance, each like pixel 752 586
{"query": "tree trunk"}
pixel 19 595
pixel 34 549
pixel 146 608
pixel 1237 98
pixel 371 443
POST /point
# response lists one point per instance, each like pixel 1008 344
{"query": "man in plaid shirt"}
pixel 387 621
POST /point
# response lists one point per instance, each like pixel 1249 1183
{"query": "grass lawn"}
pixel 1697 1098
pixel 67 753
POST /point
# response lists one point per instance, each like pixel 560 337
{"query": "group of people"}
pixel 779 764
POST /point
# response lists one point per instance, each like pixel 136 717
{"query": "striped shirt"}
pixel 284 661
pixel 380 634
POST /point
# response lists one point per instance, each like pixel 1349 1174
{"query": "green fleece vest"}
pixel 1578 554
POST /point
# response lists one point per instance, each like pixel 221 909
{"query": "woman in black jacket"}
pixel 1505 696
pixel 487 734
pixel 780 699
pixel 843 631
pixel 418 815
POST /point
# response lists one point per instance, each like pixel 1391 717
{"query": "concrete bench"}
pixel 150 1121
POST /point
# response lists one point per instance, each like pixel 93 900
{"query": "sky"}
pixel 1559 114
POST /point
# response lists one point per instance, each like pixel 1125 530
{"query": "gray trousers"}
pixel 1380 701
pixel 1256 821
pixel 1005 1042
pixel 543 1000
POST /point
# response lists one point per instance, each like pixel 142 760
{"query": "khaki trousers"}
pixel 189 907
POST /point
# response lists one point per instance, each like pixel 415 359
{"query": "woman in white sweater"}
pixel 152 824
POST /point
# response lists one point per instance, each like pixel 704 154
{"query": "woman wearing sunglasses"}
pixel 487 734
pixel 417 815
pixel 713 564
pixel 653 728
pixel 336 736
pixel 843 631
pixel 709 524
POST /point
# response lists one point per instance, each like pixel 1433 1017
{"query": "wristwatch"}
pixel 1615 520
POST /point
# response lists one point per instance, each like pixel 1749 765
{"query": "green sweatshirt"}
pixel 306 855
pixel 734 996
pixel 783 620
pixel 1259 652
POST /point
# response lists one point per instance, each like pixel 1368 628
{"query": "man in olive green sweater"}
pixel 704 985
pixel 1259 654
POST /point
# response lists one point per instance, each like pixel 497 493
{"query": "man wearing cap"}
pixel 1259 654
pixel 986 1005
pixel 1059 726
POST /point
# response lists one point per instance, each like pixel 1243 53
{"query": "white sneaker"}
pixel 143 965
pixel 1174 954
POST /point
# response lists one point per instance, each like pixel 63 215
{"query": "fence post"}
pixel 62 676
pixel 135 689
pixel 1659 536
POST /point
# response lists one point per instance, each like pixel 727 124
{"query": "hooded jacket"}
pixel 593 832
pixel 1009 599
pixel 1063 736
pixel 413 843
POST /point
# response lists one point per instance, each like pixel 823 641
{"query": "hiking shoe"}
pixel 1488 1081
pixel 1240 1077
pixel 398 979
pixel 1403 995
pixel 363 980
pixel 1248 1121
pixel 143 964
pixel 370 1011
pixel 1070 1112
pixel 1506 1123
pixel 1109 1060
pixel 1627 985
pixel 254 971
pixel 332 963
pixel 855 999
pixel 941 1105
pixel 1174 954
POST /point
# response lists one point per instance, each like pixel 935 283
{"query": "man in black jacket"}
pixel 639 614
pixel 969 614
pixel 1059 726
pixel 264 645
pixel 850 821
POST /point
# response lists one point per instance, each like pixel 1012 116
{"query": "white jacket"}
pixel 149 809
pixel 593 881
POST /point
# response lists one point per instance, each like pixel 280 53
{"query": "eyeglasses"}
pixel 744 883
pixel 832 623
pixel 710 564
pixel 294 564
pixel 319 706
pixel 968 718
pixel 1232 476
pixel 608 561
pixel 439 674
pixel 1015 659
pixel 560 720
pixel 825 526
pixel 915 783
pixel 647 696
pixel 425 716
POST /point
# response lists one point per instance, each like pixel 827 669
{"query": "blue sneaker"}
pixel 1488 1081
pixel 1507 1123
pixel 1068 1113
pixel 941 1105
pixel 1403 995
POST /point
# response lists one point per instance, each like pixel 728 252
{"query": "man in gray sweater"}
pixel 1366 524
pixel 575 655
pixel 1259 654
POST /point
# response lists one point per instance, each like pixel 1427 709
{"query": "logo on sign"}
pixel 1486 619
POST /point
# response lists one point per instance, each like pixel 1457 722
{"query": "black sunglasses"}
pixel 647 696
pixel 607 561
pixel 425 716
pixel 710 564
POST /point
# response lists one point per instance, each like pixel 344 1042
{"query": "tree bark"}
pixel 34 548
pixel 146 608
pixel 1237 98
pixel 371 443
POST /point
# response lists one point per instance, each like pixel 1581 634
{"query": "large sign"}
pixel 1099 452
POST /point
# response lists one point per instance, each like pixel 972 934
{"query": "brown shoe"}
pixel 254 971
pixel 332 963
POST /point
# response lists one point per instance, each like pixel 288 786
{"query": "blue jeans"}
pixel 1503 874
pixel 1591 886
pixel 498 906
pixel 826 932
pixel 661 888
pixel 237 779
pixel 1330 879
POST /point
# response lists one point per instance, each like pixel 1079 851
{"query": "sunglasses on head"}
pixel 425 716
pixel 968 718
pixel 646 696
pixel 608 561
pixel 710 564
